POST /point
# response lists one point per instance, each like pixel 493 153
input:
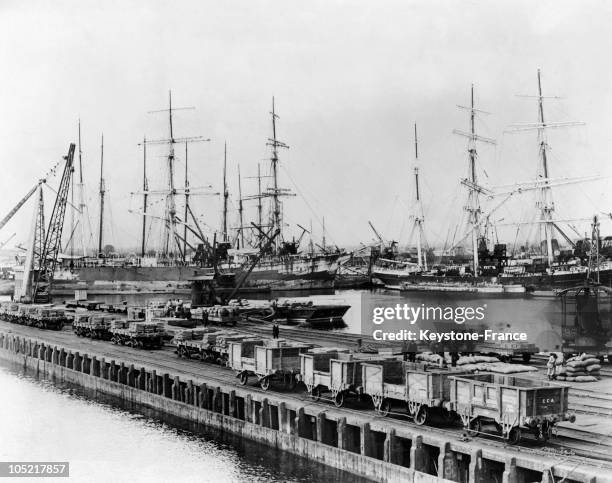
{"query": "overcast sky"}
pixel 350 79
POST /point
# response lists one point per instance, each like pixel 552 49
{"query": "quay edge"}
pixel 358 444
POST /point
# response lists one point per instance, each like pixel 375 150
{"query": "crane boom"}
pixel 252 263
pixel 15 209
pixel 380 238
pixel 28 195
pixel 54 234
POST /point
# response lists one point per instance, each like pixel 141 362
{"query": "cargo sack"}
pixel 593 367
pixel 575 372
pixel 591 361
pixel 586 379
pixel 571 378
pixel 561 378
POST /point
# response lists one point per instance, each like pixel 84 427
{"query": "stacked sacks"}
pixel 463 360
pixel 477 363
pixel 584 368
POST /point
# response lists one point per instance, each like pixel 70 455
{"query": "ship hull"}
pixel 292 273
pixel 315 316
pixel 530 282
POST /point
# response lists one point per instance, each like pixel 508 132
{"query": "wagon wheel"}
pixel 385 408
pixel 421 416
pixel 475 427
pixel 413 408
pixel 315 393
pixel 114 340
pixel 514 435
pixel 244 378
pixel 339 399
pixel 265 383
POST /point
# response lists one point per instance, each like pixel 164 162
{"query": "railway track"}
pixel 579 446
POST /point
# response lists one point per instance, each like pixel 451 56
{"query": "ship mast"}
pixel 419 218
pixel 225 192
pixel 145 189
pixel 170 215
pixel 81 193
pixel 323 241
pixel 102 191
pixel 275 192
pixel 171 239
pixel 546 204
pixel 240 210
pixel 186 203
pixel 471 183
pixel 259 197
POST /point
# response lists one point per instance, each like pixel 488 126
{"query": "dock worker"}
pixel 551 367
pixel 275 331
pixel 412 351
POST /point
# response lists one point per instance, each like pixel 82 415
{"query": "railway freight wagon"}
pixel 513 406
pixel 242 357
pixel 340 378
pixel 211 346
pixel 93 326
pixel 421 392
pixel 279 362
pixel 314 368
pixel 142 335
pixel 41 316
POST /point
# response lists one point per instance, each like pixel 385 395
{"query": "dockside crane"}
pixel 50 250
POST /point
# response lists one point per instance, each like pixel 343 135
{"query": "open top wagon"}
pixel 512 405
pixel 335 372
pixel 278 361
pixel 242 357
pixel 420 391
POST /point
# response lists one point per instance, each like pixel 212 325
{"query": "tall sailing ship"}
pixel 545 268
pixel 186 252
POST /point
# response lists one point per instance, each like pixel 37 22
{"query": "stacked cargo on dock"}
pixel 44 316
pixel 93 325
pixel 137 334
pixel 212 346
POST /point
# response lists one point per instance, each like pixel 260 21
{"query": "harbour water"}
pixel 540 317
pixel 103 442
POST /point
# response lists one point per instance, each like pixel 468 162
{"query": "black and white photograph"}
pixel 324 241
